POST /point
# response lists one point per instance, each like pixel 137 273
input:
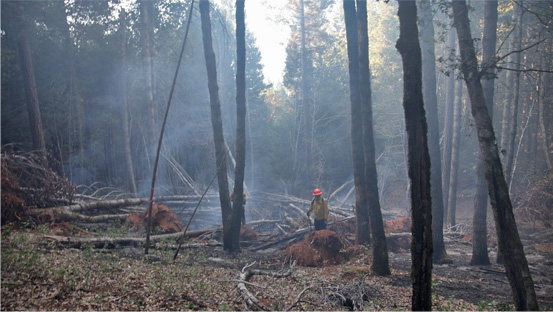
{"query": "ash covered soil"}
pixel 39 275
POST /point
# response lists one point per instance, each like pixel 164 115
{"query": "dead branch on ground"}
pixel 246 275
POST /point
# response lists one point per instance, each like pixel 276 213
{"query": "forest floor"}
pixel 40 275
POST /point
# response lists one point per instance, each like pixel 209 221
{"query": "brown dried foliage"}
pixel 536 206
pixel 320 249
pixel 27 182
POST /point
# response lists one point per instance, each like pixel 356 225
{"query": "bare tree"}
pixel 426 25
pixel 448 122
pixel 29 82
pixel 306 101
pixel 147 67
pixel 480 224
pixel 510 110
pixel 380 264
pixel 455 146
pixel 230 241
pixel 361 200
pixel 544 135
pixel 237 204
pixel 510 246
pixel 418 157
pixel 129 171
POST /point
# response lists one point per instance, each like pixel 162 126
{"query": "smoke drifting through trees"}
pixel 79 97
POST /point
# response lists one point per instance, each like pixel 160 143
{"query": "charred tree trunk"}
pixel 426 25
pixel 238 206
pixel 361 201
pixel 231 241
pixel 380 264
pixel 510 246
pixel 480 224
pixel 129 171
pixel 418 158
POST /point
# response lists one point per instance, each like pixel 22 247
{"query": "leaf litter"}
pixel 41 276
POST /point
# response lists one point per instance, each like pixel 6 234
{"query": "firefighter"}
pixel 243 212
pixel 320 207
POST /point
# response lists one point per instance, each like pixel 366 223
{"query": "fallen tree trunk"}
pixel 105 204
pixel 108 242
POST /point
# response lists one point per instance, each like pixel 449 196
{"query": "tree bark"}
pixel 29 83
pixel 544 135
pixel 361 201
pixel 306 101
pixel 448 123
pixel 147 64
pixel 480 224
pixel 426 26
pixel 510 114
pixel 129 171
pixel 380 264
pixel 510 246
pixel 455 145
pixel 418 157
pixel 237 205
pixel 230 241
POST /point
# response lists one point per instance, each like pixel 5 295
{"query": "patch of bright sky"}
pixel 271 37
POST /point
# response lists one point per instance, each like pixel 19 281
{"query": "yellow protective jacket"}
pixel 244 196
pixel 320 207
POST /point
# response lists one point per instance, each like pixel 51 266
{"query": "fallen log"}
pixel 85 206
pixel 108 242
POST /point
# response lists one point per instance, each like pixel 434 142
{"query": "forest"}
pixel 150 160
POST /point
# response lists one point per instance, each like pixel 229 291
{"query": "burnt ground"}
pixel 39 276
pixel 478 284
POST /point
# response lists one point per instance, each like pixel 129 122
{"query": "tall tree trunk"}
pixel 480 224
pixel 306 101
pixel 455 146
pixel 448 123
pixel 431 107
pixel 361 200
pixel 419 158
pixel 380 264
pixel 230 243
pixel 74 101
pixel 238 207
pixel 510 246
pixel 509 134
pixel 129 171
pixel 147 62
pixel 29 83
pixel 545 102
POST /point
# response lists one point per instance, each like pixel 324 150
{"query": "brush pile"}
pixel 28 182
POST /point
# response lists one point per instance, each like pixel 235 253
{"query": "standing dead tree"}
pixel 418 157
pixel 509 243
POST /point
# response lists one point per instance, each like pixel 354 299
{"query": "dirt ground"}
pixel 36 276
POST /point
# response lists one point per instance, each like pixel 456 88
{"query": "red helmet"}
pixel 317 192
